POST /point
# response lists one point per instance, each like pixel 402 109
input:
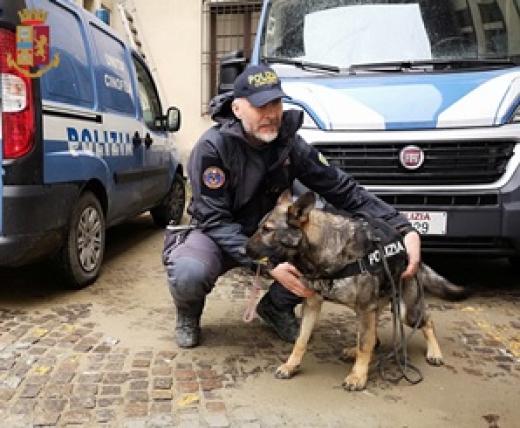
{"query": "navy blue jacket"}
pixel 229 204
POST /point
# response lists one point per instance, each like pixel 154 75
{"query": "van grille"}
pixel 467 245
pixel 459 200
pixel 447 162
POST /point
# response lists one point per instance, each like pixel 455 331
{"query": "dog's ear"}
pixel 285 198
pixel 298 213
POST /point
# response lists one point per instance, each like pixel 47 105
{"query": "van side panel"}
pixel 117 95
pixel 81 150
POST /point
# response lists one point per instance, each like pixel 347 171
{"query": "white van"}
pixel 419 100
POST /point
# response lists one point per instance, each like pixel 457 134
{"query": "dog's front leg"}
pixel 350 352
pixel 311 312
pixel 357 378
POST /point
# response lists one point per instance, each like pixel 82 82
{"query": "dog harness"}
pixel 385 243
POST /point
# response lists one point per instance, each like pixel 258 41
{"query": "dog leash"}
pixel 400 340
pixel 250 310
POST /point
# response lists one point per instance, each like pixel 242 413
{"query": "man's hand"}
pixel 287 275
pixel 412 242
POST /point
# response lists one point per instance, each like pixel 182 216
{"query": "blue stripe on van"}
pixel 428 94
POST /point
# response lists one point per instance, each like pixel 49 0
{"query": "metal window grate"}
pixel 227 26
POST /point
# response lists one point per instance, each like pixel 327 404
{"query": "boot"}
pixel 187 331
pixel 284 323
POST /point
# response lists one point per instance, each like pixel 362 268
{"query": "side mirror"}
pixel 172 120
pixel 231 65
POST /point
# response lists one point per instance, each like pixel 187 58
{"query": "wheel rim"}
pixel 89 239
pixel 176 195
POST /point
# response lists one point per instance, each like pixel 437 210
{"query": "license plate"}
pixel 428 222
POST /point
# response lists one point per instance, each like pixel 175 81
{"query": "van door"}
pixel 121 126
pixel 156 166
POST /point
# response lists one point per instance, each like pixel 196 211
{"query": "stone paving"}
pixel 58 369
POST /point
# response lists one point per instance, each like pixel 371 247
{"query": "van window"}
pixel 113 74
pixel 150 104
pixel 71 81
pixel 331 31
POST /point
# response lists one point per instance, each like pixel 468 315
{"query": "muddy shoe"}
pixel 284 323
pixel 187 331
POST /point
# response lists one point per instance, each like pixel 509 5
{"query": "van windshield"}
pixel 345 33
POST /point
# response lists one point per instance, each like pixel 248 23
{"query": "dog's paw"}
pixel 285 371
pixel 348 354
pixel 434 360
pixel 354 382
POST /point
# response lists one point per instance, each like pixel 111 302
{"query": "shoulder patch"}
pixel 322 159
pixel 213 177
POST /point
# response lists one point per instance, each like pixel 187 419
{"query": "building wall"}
pixel 171 34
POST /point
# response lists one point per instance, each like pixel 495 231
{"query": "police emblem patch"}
pixel 323 159
pixel 213 177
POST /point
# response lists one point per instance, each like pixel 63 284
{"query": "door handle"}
pixel 136 139
pixel 148 140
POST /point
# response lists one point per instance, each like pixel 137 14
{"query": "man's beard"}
pixel 264 137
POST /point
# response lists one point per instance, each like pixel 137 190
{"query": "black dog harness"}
pixel 385 243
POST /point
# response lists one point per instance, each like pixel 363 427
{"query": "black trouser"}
pixel 194 265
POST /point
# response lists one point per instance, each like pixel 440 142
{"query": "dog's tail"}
pixel 440 286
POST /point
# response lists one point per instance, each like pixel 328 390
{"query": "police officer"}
pixel 237 170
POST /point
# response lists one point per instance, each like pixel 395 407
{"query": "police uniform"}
pixel 234 184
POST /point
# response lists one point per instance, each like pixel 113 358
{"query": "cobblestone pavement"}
pixel 105 356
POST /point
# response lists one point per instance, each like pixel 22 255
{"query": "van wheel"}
pixel 171 208
pixel 82 254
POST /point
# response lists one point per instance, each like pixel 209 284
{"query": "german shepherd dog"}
pixel 321 243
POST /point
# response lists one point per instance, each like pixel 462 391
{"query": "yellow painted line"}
pixel 39 332
pixel 500 334
pixel 188 399
pixel 42 370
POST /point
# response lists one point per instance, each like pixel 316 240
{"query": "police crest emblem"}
pixel 33 45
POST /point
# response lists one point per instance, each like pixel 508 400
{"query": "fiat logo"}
pixel 411 157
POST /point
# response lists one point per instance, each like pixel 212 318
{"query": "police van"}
pixel 419 100
pixel 84 141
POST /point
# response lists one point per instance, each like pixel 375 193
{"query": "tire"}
pixel 82 254
pixel 171 209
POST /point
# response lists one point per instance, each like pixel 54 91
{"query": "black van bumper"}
pixel 485 222
pixel 34 221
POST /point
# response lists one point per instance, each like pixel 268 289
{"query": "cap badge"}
pixel 263 78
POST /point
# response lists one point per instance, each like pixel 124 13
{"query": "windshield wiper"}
pixel 435 64
pixel 304 65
